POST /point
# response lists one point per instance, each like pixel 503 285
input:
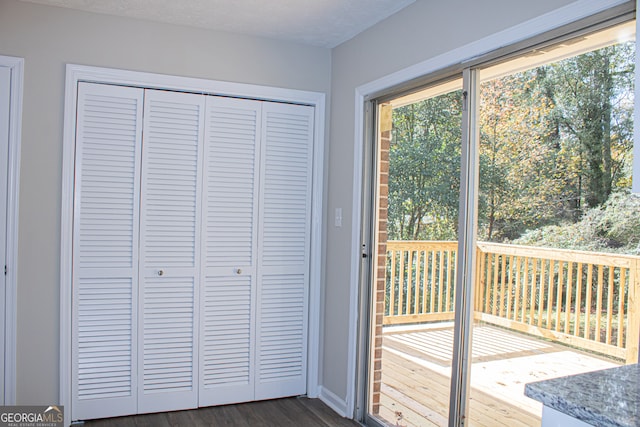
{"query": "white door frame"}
pixel 76 73
pixel 16 67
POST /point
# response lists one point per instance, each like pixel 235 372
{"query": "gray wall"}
pixel 48 38
pixel 420 32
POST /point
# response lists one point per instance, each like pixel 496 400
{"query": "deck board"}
pixel 416 369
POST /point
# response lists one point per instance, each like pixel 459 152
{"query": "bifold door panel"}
pixel 173 135
pixel 285 212
pixel 232 164
pixel 191 250
pixel 105 251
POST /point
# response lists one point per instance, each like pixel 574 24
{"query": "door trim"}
pixel 16 65
pixel 77 73
pixel 550 21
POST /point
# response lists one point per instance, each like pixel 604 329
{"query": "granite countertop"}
pixel 610 397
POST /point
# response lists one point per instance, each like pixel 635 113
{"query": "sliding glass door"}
pixel 557 226
pixel 504 237
pixel 416 233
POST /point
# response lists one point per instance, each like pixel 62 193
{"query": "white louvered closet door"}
pixel 230 250
pixel 284 245
pixel 169 251
pixel 105 251
pixel 190 250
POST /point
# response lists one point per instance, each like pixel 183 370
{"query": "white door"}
pixel 229 251
pixel 5 87
pixel 170 251
pixel 105 251
pixel 284 245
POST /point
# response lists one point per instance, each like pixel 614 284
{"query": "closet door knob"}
pixel 160 272
pixel 238 271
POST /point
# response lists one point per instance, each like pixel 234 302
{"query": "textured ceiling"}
pixel 325 23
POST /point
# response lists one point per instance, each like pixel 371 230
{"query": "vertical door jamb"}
pixel 5 113
pixel 469 179
pixel 367 238
pixel 16 67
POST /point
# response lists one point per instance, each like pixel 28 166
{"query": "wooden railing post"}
pixel 633 313
pixel 481 280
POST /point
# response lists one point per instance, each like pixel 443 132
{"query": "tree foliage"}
pixel 592 96
pixel 612 227
pixel 517 167
pixel 425 169
pixel 555 151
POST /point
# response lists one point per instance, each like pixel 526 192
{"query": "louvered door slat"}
pixel 170 242
pixel 281 354
pixel 229 248
pixel 105 255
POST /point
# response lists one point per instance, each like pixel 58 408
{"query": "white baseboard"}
pixel 334 402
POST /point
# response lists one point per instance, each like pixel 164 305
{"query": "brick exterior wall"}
pixel 384 138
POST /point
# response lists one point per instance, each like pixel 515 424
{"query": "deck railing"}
pixel 423 274
pixel 585 299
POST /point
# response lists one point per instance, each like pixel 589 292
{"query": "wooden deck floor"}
pixel 416 369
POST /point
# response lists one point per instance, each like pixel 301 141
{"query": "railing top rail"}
pixel 420 244
pixel 568 255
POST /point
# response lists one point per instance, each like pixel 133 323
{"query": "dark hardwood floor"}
pixel 290 412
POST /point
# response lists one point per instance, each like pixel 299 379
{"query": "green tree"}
pixel 554 141
pixel 516 185
pixel 592 96
pixel 424 169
